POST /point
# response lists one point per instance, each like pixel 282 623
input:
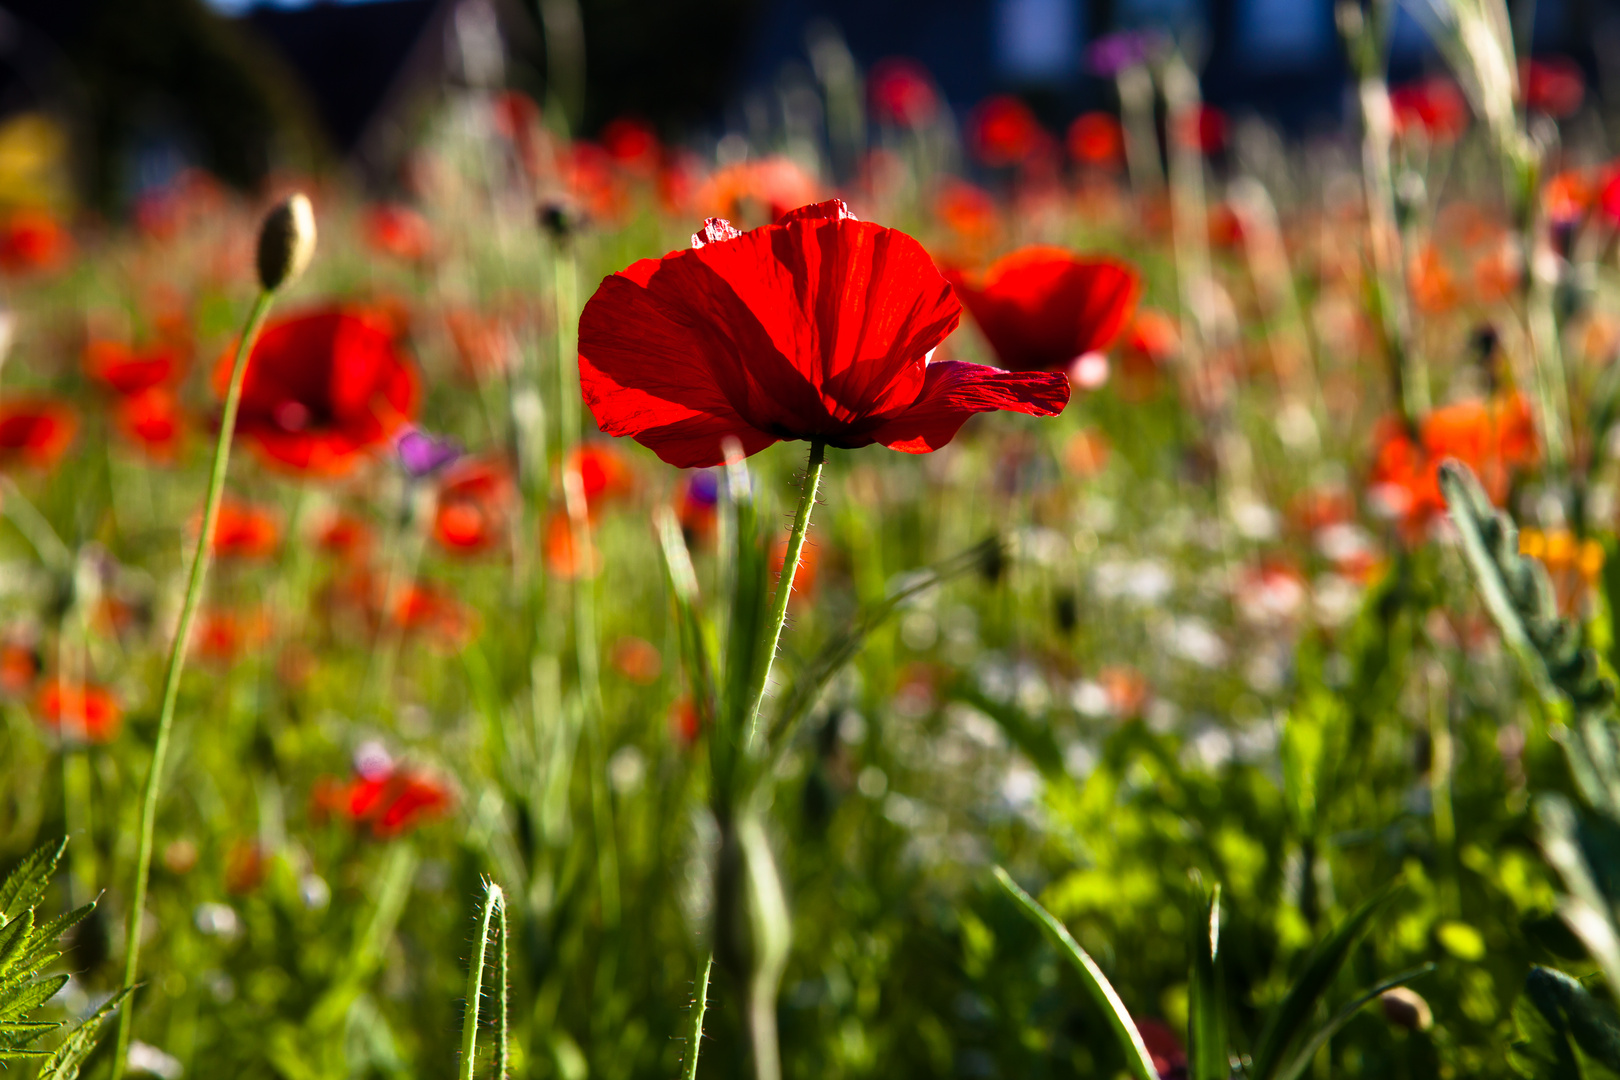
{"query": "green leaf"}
pixel 1286 1025
pixel 26 884
pixel 1302 1060
pixel 31 996
pixel 70 1056
pixel 14 939
pixel 1130 1039
pixel 1564 1031
pixel 1208 1057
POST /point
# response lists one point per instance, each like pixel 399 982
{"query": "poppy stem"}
pixel 494 907
pixel 694 1028
pixel 784 582
pixel 177 663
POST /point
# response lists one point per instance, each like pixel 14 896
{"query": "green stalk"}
pixel 494 904
pixel 177 663
pixel 784 583
pixel 694 1027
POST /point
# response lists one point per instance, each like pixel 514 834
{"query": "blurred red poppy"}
pixel 1003 131
pixel 473 503
pixel 222 636
pixel 1553 85
pixel 19 666
pixel 902 93
pixel 750 190
pixel 1095 138
pixel 35 432
pixel 1494 438
pixel 1433 107
pixel 1204 129
pixel 817 327
pixel 78 710
pixel 563 557
pixel 344 535
pixel 1041 308
pixel 389 802
pixel 124 370
pixel 33 240
pixel 242 531
pixel 603 473
pixel 684 722
pixel 637 659
pixel 399 232
pixel 151 420
pixel 323 389
pixel 431 612
pixel 632 144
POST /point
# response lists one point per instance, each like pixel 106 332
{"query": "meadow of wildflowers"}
pixel 1129 601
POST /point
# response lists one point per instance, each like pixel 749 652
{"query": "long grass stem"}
pixel 177 663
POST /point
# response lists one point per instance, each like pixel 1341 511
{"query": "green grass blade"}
pixel 1302 1060
pixel 1207 1053
pixel 1130 1039
pixel 1287 1022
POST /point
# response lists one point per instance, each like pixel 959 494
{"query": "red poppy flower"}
pixel 151 420
pixel 221 637
pixel 902 93
pixel 1434 106
pixel 637 659
pixel 78 710
pixel 35 433
pixel 632 144
pixel 817 327
pixel 1491 437
pixel 431 612
pixel 389 801
pixel 1003 131
pixel 33 240
pixel 472 506
pixel 345 536
pixel 19 667
pixel 124 370
pixel 603 473
pixel 1095 138
pixel 1553 85
pixel 322 390
pixel 241 531
pixel 398 231
pixel 1043 307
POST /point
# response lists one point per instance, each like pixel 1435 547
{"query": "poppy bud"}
pixel 559 217
pixel 286 242
pixel 1406 1008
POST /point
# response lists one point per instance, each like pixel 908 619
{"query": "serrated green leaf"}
pixel 50 931
pixel 22 1055
pixel 1208 1056
pixel 1285 1027
pixel 26 884
pixel 1137 1058
pixel 70 1056
pixel 14 939
pixel 31 996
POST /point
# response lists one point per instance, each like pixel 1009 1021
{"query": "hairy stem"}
pixel 694 1025
pixel 784 583
pixel 494 905
pixel 177 663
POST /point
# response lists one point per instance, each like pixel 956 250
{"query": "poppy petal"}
pixel 955 390
pixel 1042 307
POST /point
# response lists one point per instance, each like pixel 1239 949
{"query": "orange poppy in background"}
pixel 431 612
pixel 242 531
pixel 221 636
pixel 344 535
pixel 1494 438
pixel 1041 308
pixel 33 240
pixel 1434 290
pixel 78 710
pixel 563 558
pixel 324 390
pixel 473 504
pixel 604 473
pixel 399 232
pixel 804 578
pixel 757 190
pixel 35 432
pixel 637 659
